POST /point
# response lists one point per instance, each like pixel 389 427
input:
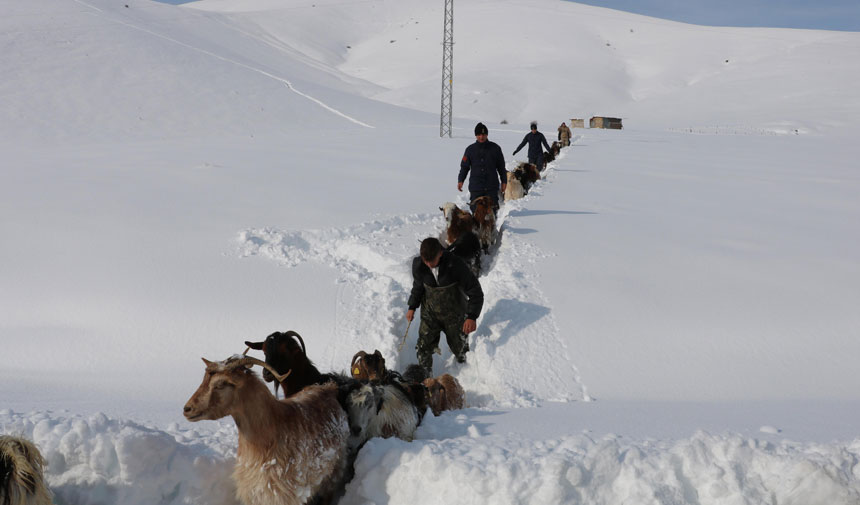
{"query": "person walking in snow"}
pixel 450 298
pixel 484 159
pixel 534 139
pixel 564 135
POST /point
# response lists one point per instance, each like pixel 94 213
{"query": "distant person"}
pixel 487 164
pixel 564 135
pixel 450 298
pixel 534 139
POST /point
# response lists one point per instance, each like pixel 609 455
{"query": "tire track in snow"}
pixel 517 357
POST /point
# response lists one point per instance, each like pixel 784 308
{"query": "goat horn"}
pixel 359 354
pixel 301 340
pixel 248 360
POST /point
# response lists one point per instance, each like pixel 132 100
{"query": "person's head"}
pixel 533 126
pixel 431 251
pixel 562 123
pixel 481 132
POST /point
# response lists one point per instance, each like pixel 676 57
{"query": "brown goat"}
pixel 444 393
pixel 368 367
pixel 485 221
pixel 555 148
pixel 458 222
pixel 22 481
pixel 292 451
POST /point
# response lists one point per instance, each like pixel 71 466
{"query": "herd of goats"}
pixel 300 449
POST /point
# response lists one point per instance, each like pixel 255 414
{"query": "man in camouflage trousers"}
pixel 450 297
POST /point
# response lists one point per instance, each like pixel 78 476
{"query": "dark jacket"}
pixel 452 270
pixel 534 141
pixel 487 163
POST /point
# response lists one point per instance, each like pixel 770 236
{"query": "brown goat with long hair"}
pixel 485 220
pixel 22 481
pixel 444 393
pixel 292 451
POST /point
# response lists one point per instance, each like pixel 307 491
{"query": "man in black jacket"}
pixel 450 297
pixel 487 164
pixel 534 139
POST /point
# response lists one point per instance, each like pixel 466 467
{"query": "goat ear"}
pixel 206 361
pixel 257 346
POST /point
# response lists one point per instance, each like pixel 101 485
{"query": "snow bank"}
pixel 97 459
pixel 704 469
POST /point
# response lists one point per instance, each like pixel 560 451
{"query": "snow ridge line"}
pixel 286 82
pixel 517 333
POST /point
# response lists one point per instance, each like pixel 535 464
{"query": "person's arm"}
pixel 465 166
pixel 417 293
pixel 473 291
pixel 524 142
pixel 500 168
pixel 543 139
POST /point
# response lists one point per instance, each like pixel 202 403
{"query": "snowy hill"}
pixel 179 179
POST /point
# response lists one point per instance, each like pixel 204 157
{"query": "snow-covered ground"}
pixel 670 316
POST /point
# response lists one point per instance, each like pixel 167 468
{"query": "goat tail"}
pixel 21 476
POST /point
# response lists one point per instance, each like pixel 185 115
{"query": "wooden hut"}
pixel 612 123
pixel 577 123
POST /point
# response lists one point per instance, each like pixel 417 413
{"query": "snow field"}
pixel 176 180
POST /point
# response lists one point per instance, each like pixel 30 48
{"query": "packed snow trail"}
pixel 516 357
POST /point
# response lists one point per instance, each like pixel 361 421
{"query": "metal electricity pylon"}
pixel 447 70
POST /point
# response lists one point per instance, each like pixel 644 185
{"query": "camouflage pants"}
pixel 443 309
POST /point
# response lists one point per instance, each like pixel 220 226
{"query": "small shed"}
pixel 612 123
pixel 577 123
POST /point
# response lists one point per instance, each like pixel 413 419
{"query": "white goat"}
pixel 292 451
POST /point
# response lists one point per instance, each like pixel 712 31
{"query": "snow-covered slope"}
pixel 525 59
pixel 179 179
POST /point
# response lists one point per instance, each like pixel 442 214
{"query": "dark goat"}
pixel 527 174
pixel 285 352
pixel 468 248
pixel 368 367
